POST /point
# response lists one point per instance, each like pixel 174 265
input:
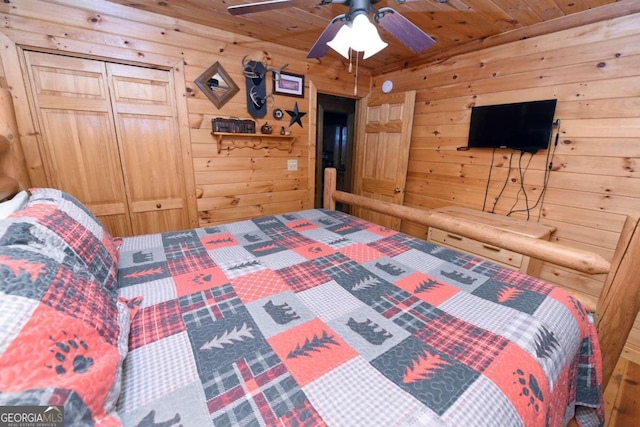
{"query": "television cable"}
pixel 506 181
pixel 486 189
pixel 547 172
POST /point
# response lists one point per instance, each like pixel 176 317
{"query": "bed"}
pixel 306 318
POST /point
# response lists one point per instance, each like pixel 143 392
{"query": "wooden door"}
pixel 146 126
pixel 382 151
pixel 77 135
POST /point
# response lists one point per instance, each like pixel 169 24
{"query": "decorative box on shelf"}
pixel 229 141
pixel 233 125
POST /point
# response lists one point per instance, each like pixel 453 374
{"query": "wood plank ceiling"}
pixel 458 26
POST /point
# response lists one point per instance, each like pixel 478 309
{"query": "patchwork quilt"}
pixel 318 318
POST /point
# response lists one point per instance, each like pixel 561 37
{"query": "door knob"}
pixel 397 190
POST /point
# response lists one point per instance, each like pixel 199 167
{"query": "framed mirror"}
pixel 217 85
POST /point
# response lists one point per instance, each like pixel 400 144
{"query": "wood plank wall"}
pixel 232 185
pixel 594 182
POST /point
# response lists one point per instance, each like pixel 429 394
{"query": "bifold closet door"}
pixel 109 137
pixel 147 134
pixel 77 134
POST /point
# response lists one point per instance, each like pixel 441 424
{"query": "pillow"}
pixel 62 337
pixel 53 221
pixel 13 205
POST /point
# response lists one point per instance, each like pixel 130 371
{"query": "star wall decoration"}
pixel 295 116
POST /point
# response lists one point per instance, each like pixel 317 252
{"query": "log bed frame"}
pixel 615 309
pixel 619 301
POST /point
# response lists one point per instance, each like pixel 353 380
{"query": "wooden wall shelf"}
pixel 230 141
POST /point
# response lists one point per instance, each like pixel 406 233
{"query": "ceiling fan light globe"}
pixel 373 47
pixel 365 37
pixel 359 35
pixel 341 43
pixel 361 23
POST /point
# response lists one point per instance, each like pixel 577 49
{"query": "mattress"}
pixel 319 318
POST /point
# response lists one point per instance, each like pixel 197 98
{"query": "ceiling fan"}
pixel 392 21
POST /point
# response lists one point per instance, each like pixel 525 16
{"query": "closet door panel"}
pixel 149 144
pixel 116 226
pixel 81 162
pixel 77 136
pixel 148 221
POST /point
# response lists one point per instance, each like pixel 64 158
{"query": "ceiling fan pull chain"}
pixel 355 88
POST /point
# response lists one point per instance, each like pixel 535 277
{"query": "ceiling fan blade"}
pixel 262 6
pixel 404 30
pixel 320 47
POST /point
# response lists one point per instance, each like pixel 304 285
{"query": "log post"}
pixel 619 300
pixel 328 201
pixel 12 162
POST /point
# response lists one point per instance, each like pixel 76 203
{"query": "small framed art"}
pixel 288 84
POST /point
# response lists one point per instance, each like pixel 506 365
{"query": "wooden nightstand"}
pixel 492 253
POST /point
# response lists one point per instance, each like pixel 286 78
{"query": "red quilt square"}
pixel 311 350
pixel 361 253
pixel 314 250
pixel 67 352
pixel 527 383
pixel 576 308
pixel 198 280
pixel 254 286
pixel 427 288
pixel 382 231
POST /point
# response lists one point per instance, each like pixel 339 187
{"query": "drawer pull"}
pixel 158 205
pixel 491 248
pixel 453 236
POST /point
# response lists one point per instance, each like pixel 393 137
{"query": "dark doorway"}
pixel 336 119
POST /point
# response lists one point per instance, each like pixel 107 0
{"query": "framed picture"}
pixel 217 85
pixel 289 84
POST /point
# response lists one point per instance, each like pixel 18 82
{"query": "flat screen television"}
pixel 524 126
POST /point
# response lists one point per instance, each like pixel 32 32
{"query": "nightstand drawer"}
pixel 500 256
pixel 483 250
